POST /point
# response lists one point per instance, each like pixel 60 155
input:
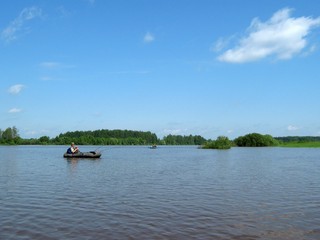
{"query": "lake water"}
pixel 163 193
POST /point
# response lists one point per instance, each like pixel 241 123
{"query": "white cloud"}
pixel 220 44
pixel 15 89
pixel 50 65
pixel 39 133
pixel 31 132
pixel 281 36
pixel 10 32
pixel 310 50
pixel 173 131
pixel 292 128
pixel 55 65
pixel 15 110
pixel 50 68
pixel 46 78
pixel 148 38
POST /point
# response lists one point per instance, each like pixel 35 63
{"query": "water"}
pixel 163 193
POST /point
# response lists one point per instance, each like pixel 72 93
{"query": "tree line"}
pixel 10 136
pixel 298 139
pixel 101 137
pixel 107 137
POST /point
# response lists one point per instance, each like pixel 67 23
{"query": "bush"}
pixel 221 142
pixel 256 140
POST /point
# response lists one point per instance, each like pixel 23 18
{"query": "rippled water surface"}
pixel 163 193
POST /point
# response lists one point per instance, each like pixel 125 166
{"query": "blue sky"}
pixel 199 67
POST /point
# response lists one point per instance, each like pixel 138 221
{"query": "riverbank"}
pixel 300 144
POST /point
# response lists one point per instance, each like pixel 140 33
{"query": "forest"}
pixel 10 136
pixel 298 139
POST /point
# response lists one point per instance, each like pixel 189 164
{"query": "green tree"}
pixel 106 137
pixel 183 140
pixel 222 142
pixel 44 140
pixel 10 136
pixel 255 140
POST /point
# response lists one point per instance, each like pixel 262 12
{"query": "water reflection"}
pixel 72 163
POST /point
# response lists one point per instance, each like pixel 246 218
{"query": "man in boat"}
pixel 72 149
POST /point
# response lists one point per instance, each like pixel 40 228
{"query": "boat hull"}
pixel 83 155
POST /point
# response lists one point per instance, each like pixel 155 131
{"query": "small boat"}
pixel 153 147
pixel 91 154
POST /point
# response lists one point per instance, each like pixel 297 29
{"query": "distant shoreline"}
pixel 118 137
pixel 282 145
pixel 300 145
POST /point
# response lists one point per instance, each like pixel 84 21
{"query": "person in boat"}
pixel 72 149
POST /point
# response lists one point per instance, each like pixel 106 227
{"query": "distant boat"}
pixel 153 147
pixel 91 154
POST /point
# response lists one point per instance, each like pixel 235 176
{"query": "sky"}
pixel 201 67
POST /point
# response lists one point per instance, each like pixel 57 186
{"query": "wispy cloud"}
pixel 148 37
pixel 36 132
pixel 52 70
pixel 15 110
pixel 220 44
pixel 91 2
pixel 55 65
pixel 15 89
pixel 50 65
pixel 17 25
pixel 292 128
pixel 142 72
pixel 282 36
pixel 46 78
pixel 174 131
pixel 63 12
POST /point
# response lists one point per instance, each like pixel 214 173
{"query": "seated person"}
pixel 73 149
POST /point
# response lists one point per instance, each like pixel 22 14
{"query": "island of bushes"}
pixel 249 140
pixel 10 136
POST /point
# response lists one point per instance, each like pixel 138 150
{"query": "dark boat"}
pixel 153 147
pixel 91 154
